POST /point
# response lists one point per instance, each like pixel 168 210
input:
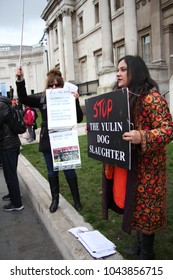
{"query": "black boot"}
pixel 147 245
pixel 136 248
pixel 54 187
pixel 73 184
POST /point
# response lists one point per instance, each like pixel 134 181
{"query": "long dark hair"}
pixel 140 81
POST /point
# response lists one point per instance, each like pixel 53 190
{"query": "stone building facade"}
pixel 33 63
pixel 87 37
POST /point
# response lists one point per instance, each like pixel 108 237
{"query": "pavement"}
pixel 34 233
pixel 22 234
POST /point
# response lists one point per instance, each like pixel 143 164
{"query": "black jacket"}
pixel 8 140
pixel 39 101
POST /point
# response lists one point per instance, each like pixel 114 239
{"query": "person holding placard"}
pixel 54 80
pixel 142 198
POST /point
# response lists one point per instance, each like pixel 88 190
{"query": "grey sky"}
pixel 11 21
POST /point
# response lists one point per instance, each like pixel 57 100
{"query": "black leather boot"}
pixel 147 245
pixel 136 248
pixel 54 187
pixel 73 184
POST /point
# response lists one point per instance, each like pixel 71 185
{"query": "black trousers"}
pixel 9 161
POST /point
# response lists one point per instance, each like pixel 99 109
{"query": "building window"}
pixel 97 19
pixel 146 48
pixel 83 69
pixel 56 36
pixel 4 49
pixel 120 52
pixel 119 4
pixel 81 30
pixel 98 62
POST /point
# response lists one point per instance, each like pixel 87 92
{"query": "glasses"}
pixel 53 85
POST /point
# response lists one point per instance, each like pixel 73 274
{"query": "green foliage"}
pixel 84 119
pixel 89 178
pixel 39 119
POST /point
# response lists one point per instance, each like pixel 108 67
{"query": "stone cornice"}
pixel 166 4
pixel 50 7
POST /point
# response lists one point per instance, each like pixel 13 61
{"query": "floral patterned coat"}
pixel 145 202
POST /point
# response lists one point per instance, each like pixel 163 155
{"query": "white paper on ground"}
pixel 95 242
pixel 76 230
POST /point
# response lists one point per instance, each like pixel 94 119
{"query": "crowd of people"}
pixel 144 201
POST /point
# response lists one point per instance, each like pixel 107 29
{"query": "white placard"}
pixel 61 109
pixel 65 149
pixel 71 87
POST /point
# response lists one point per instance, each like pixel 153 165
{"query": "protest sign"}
pixel 108 117
pixel 65 149
pixel 61 109
pixel 62 125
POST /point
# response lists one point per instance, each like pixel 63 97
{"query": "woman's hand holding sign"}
pixel 134 136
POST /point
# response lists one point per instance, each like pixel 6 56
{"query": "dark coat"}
pixel 39 101
pixel 145 202
pixel 8 140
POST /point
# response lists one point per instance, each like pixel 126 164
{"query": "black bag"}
pixel 15 118
pixel 17 125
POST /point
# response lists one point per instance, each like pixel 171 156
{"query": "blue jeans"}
pixel 69 174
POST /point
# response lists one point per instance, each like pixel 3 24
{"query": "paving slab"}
pixel 22 233
pixel 35 233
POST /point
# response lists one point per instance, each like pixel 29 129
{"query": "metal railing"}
pixel 88 88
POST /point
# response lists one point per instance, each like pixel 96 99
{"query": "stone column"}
pixel 168 39
pixel 50 47
pixel 157 34
pixel 47 51
pixel 68 45
pixel 61 45
pixel 106 31
pixel 130 27
pixel 107 74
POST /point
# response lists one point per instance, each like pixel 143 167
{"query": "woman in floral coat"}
pixel 145 200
